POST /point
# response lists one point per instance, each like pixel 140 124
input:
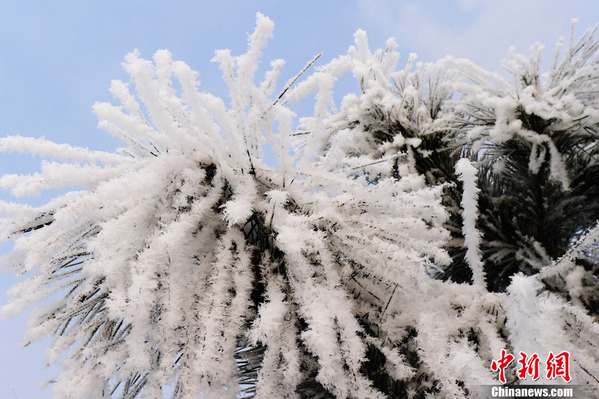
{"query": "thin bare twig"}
pixel 295 78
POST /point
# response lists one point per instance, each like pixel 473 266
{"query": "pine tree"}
pixel 537 143
pixel 184 261
pixel 534 141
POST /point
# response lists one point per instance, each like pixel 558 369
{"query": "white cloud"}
pixel 468 4
pixel 480 30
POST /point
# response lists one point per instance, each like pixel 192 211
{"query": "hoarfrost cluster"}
pixel 185 265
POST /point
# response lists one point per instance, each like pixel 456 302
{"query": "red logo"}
pixel 528 366
pixel 555 366
pixel 501 364
pixel 559 365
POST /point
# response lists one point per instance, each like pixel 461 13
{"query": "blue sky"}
pixel 58 58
